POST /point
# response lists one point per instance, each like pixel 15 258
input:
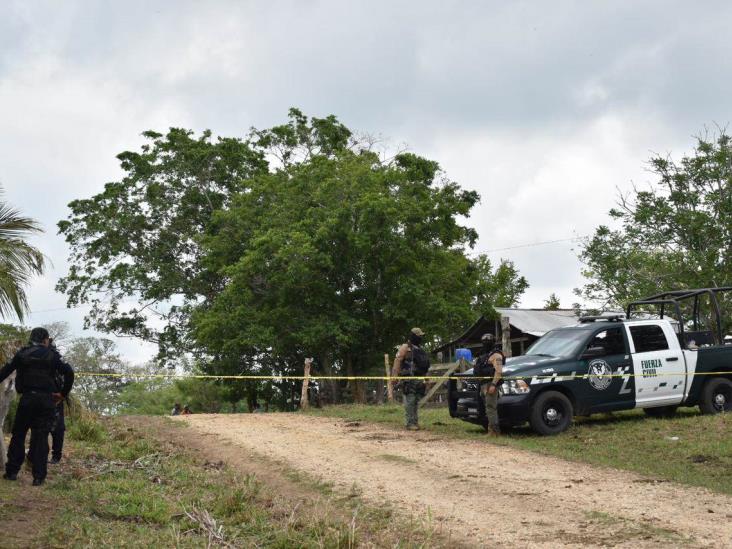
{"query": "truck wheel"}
pixel 551 413
pixel 661 411
pixel 716 396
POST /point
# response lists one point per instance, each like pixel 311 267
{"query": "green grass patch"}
pixel 689 448
pixel 627 530
pixel 120 487
pixel 86 429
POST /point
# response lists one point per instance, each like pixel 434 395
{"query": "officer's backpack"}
pixel 420 361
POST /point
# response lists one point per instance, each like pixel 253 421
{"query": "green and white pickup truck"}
pixel 614 363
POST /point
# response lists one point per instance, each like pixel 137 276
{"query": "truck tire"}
pixel 661 411
pixel 551 413
pixel 716 396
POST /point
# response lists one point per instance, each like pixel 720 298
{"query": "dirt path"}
pixel 483 494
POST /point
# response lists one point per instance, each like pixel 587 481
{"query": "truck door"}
pixel 658 365
pixel 609 385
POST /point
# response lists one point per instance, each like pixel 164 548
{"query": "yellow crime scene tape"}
pixel 559 377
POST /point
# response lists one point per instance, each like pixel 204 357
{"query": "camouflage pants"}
pixel 490 402
pixel 413 392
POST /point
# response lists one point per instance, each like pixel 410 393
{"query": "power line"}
pixel 529 245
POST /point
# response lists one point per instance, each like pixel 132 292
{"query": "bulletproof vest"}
pixel 36 371
pixel 417 362
pixel 484 367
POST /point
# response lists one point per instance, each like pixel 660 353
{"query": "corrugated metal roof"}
pixel 538 321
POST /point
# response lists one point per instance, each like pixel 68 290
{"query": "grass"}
pixel 689 448
pixel 123 488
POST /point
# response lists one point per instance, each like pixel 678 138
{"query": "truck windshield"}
pixel 559 343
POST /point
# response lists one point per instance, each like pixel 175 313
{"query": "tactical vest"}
pixel 484 367
pixel 36 371
pixel 416 363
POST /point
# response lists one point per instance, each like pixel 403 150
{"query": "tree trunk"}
pixel 358 388
pixel 334 386
pixel 389 384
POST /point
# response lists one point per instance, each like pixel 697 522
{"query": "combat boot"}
pixel 412 427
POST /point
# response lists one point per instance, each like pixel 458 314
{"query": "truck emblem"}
pixel 599 375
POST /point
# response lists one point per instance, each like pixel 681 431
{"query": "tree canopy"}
pixel 298 240
pixel 676 233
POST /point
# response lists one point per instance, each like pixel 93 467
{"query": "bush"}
pixel 87 428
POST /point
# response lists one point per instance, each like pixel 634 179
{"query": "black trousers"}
pixel 57 435
pixel 35 412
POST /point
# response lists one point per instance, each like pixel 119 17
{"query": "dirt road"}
pixel 483 494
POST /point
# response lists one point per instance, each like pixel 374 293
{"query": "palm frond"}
pixel 19 261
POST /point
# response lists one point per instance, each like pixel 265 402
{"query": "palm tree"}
pixel 19 261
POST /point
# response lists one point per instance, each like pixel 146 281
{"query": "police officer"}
pixel 58 433
pixel 489 366
pixel 37 366
pixel 411 360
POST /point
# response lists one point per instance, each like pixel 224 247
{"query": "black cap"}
pixel 38 335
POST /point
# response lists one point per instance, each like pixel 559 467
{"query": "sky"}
pixel 547 109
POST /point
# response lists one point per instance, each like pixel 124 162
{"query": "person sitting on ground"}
pixel 186 410
pixel 176 410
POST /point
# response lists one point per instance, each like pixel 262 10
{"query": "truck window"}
pixel 611 341
pixel 564 342
pixel 648 338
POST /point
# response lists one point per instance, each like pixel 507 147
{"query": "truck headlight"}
pixel 514 387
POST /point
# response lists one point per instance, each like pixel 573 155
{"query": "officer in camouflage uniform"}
pixel 489 366
pixel 406 365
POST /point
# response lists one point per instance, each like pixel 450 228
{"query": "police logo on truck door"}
pixel 599 374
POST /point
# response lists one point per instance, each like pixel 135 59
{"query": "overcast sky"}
pixel 545 108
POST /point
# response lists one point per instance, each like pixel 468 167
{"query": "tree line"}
pixel 241 255
pixel 250 254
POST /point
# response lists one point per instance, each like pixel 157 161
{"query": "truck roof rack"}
pixel 675 298
pixel 608 318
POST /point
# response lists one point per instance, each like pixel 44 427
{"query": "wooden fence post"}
pixel 389 385
pixel 304 398
pixel 506 336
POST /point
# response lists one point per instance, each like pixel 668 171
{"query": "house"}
pixel 520 327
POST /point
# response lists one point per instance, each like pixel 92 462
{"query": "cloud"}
pixel 543 108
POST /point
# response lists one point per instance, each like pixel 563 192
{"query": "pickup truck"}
pixel 604 364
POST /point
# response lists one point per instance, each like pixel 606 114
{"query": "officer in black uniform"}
pixel 58 432
pixel 37 366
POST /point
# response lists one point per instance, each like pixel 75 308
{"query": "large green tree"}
pixel 339 254
pixel 137 241
pixel 19 261
pixel 323 249
pixel 675 233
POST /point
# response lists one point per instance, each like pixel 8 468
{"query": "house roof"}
pixel 539 321
pixel 536 322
